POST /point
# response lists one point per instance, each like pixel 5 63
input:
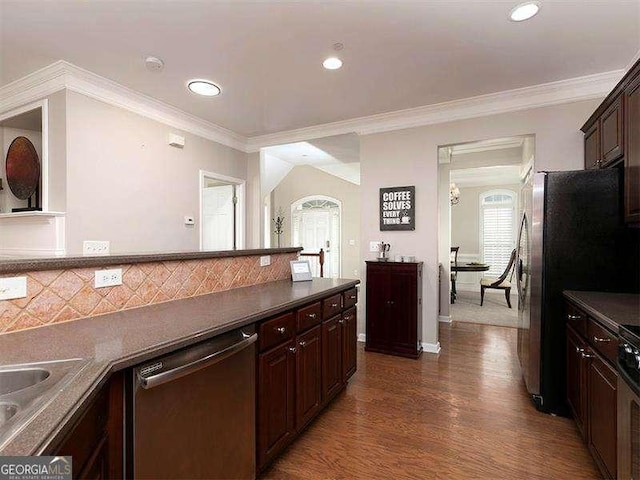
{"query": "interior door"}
pixel 218 222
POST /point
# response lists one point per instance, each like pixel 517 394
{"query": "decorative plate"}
pixel 23 168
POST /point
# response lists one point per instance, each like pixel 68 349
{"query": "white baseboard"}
pixel 444 318
pixel 431 347
pixel 426 347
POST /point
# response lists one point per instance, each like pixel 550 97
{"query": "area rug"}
pixel 494 311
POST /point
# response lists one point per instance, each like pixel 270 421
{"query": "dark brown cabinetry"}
pixel 301 368
pixel 394 308
pixel 592 386
pixel 632 156
pixel 276 391
pixel 95 441
pixel 612 138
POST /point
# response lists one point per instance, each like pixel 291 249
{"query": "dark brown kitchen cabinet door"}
pixel 331 357
pixel 632 156
pixel 612 132
pixel 349 343
pixel 308 376
pixel 403 301
pixel 592 146
pixel 602 406
pixel 576 379
pixel 276 400
pixel 378 282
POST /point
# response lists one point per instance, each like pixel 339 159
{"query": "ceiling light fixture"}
pixel 204 87
pixel 332 63
pixel 524 11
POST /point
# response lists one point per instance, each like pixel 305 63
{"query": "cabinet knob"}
pixel 334 305
pixel 587 355
pixel 601 340
pixel 311 315
pixel 390 302
pixel 302 344
pixel 573 317
pixel 341 322
pixel 293 349
pixel 347 317
pixel 281 330
pixel 579 350
pixel 353 297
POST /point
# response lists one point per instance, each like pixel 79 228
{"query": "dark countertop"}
pixel 122 339
pixel 610 309
pixel 19 264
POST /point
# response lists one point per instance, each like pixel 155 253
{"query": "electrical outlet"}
pixel 374 246
pixel 265 260
pixel 13 287
pixel 355 273
pixel 108 278
pixel 95 247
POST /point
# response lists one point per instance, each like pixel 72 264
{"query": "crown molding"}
pixel 543 95
pixel 64 75
pixel 633 61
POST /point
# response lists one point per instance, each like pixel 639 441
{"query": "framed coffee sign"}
pixel 398 208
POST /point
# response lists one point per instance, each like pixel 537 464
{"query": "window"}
pixel 497 229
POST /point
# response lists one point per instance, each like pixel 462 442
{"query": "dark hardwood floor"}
pixel 462 414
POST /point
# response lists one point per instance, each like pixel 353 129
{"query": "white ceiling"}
pixel 337 155
pixel 267 55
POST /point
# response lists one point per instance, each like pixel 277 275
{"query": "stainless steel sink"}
pixel 26 389
pixel 14 380
pixel 7 411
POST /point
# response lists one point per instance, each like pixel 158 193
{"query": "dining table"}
pixel 464 267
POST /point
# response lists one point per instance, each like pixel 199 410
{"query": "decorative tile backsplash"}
pixel 61 295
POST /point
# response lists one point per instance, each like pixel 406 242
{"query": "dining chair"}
pixel 501 283
pixel 454 275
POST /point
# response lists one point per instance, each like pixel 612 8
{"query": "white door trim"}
pixel 240 206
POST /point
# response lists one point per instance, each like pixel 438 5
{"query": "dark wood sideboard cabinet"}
pixel 305 358
pixel 592 381
pixel 394 308
pixel 612 139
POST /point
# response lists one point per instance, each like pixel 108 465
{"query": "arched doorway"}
pixel 316 224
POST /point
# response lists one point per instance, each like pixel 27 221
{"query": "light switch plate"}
pixel 13 287
pixel 108 278
pixel 265 260
pixel 374 246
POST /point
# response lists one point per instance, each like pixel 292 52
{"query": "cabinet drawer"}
pixel 350 298
pixel 576 318
pixel 277 330
pixel 309 316
pixel 331 306
pixel 602 340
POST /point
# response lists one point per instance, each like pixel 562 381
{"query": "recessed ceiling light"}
pixel 524 11
pixel 332 63
pixel 204 87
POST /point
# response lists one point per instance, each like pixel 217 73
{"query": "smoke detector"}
pixel 154 64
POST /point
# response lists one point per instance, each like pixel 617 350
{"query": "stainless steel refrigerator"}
pixel 572 237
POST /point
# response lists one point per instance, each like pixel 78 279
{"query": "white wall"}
pixel 304 181
pixel 410 157
pixel 126 184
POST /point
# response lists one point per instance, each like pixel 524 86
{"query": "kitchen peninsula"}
pixel 312 322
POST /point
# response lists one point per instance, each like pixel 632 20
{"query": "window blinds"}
pixel 497 237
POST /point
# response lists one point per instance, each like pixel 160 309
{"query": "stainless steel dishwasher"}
pixel 194 411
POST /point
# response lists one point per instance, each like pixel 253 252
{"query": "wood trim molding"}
pixel 553 93
pixel 431 347
pixel 64 75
